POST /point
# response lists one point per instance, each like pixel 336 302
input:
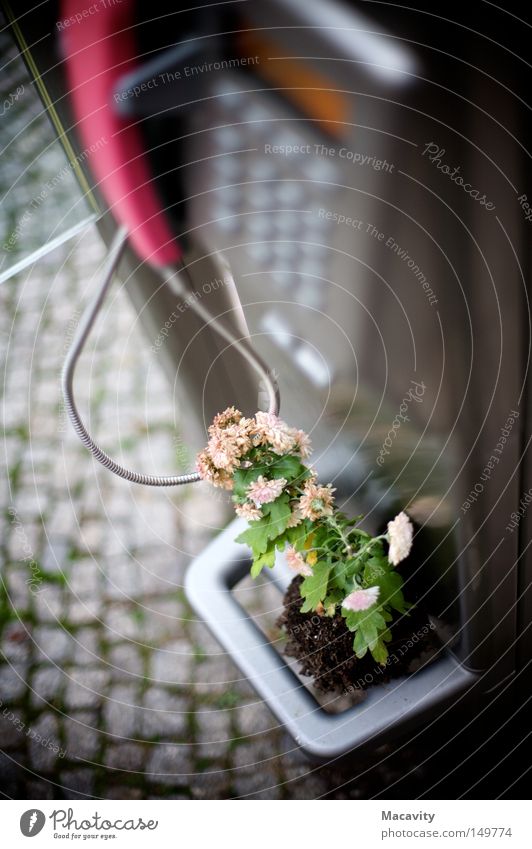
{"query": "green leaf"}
pixel 314 588
pixel 390 585
pixel 289 467
pixel 380 653
pixel 270 527
pixel 297 536
pixel 256 536
pixel 360 646
pixel 267 559
pixel 278 512
pixel 334 597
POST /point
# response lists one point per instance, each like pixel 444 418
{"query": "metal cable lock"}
pixel 171 276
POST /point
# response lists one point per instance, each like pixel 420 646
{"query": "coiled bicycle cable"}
pixel 174 278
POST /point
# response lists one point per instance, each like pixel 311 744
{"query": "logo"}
pixel 32 822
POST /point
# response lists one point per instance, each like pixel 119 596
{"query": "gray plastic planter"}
pixel 210 585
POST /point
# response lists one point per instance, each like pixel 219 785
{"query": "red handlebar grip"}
pixel 99 48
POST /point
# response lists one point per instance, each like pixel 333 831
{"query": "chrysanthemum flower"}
pixel 316 501
pixel 303 444
pixel 229 416
pixel 361 599
pixel 296 562
pixel 295 517
pixel 400 534
pixel 273 431
pixel 262 491
pixel 248 511
pixel 223 451
pixel 208 472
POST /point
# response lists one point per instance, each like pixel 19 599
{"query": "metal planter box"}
pixel 212 589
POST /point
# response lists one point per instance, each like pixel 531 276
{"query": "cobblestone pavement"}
pixel 109 686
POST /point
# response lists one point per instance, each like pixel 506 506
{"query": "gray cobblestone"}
pixel 77 783
pixel 86 611
pixel 12 681
pixel 122 712
pixel 170 764
pixel 126 661
pixel 82 738
pixel 172 663
pixel 47 683
pixel 126 756
pixel 50 604
pixel 84 578
pixel 42 757
pixel 86 688
pixel 164 715
pixel 16 642
pixel 255 718
pixel 53 644
pixel 9 735
pixel 85 649
pixel 263 783
pixel 214 733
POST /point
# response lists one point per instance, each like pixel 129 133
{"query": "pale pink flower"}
pixel 303 444
pixel 208 472
pixel 248 511
pixel 316 501
pixel 239 435
pixel 223 451
pixel 296 562
pixel 262 491
pixel 228 417
pixel 273 431
pixel 295 518
pixel 400 535
pixel 361 599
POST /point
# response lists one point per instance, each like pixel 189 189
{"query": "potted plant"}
pixel 344 606
pixel 345 577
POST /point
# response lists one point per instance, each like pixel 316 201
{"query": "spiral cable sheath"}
pixel 67 377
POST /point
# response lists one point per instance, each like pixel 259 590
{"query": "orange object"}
pixel 309 91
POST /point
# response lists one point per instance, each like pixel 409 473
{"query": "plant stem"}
pixel 345 539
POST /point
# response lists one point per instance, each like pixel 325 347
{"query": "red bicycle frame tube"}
pixel 99 47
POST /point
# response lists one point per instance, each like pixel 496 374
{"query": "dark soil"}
pixel 324 646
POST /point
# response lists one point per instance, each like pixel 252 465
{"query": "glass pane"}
pixel 40 199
